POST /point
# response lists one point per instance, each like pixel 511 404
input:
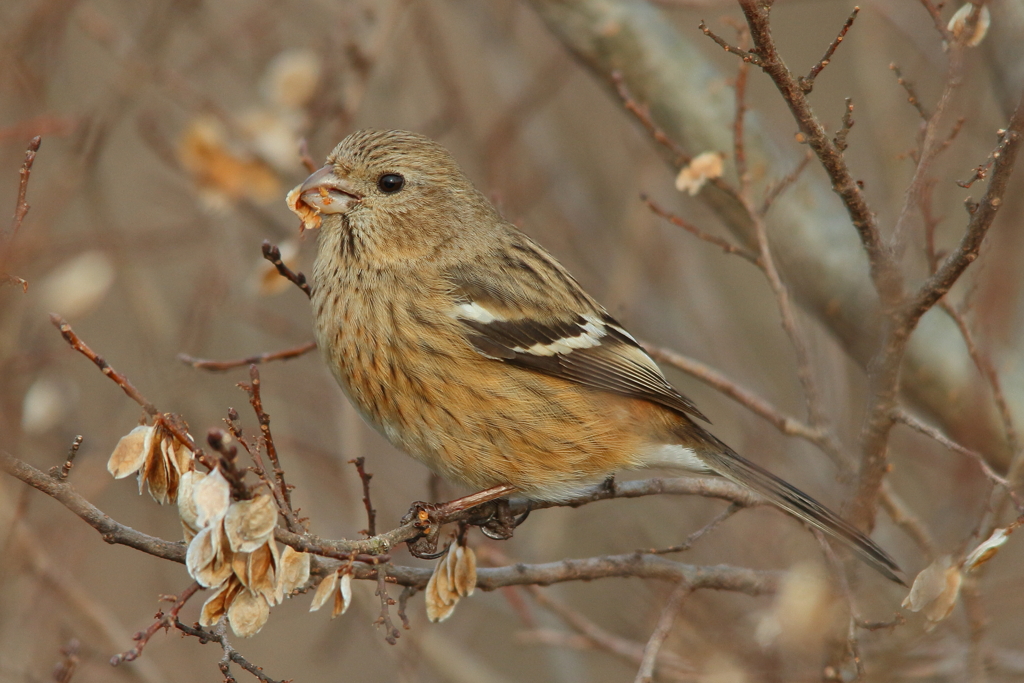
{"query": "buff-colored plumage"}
pixel 472 349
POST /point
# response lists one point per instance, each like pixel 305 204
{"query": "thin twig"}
pixel 162 621
pixel 723 244
pixel 772 192
pixel 912 97
pixel 230 652
pixel 900 514
pixel 699 533
pixel 644 117
pixel 64 470
pixel 21 208
pixel 222 365
pixel 272 253
pixel 597 637
pixel 282 492
pixel 844 132
pixel 304 156
pixel 747 56
pixel 807 82
pixel 68 663
pixel 933 433
pixel 790 426
pixel 78 345
pixel 661 631
pixel 365 477
pixel 391 634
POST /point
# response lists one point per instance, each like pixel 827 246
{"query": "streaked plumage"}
pixel 472 349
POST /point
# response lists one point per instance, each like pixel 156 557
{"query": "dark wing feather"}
pixel 540 319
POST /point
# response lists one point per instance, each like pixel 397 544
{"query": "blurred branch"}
pixel 222 365
pixel 230 653
pixel 593 636
pixel 661 631
pixel 21 208
pixel 817 251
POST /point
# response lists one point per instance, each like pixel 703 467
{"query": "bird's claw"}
pixel 421 515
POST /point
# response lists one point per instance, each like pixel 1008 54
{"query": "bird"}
pixel 471 348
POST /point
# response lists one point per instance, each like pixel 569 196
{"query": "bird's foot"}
pixel 491 514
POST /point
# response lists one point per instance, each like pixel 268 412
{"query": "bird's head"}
pixel 388 186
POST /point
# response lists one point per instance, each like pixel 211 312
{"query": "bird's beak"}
pixel 322 193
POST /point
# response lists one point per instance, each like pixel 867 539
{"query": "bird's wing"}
pixel 527 311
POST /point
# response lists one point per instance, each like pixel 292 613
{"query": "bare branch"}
pixel 272 253
pixel 222 365
pixel 365 477
pixel 164 621
pixel 230 653
pixel 723 244
pixel 661 631
pixel 120 380
pixel 21 208
pixel 807 83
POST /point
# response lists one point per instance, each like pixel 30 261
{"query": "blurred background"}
pixel 171 132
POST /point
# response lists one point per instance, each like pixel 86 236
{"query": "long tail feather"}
pixel 727 463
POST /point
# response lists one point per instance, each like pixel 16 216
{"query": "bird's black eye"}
pixel 389 183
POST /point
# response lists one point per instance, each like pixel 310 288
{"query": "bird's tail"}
pixel 729 464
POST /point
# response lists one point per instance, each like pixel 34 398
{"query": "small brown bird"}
pixel 471 348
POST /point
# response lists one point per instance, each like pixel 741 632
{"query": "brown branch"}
pixel 280 488
pixel 935 434
pixel 391 634
pixel 699 533
pixel 644 117
pixel 936 14
pixel 886 277
pixel 78 345
pixel 789 426
pixel 230 653
pixel 661 631
pixel 936 286
pixel 772 193
pixel 912 97
pixel 304 156
pixel 596 637
pixel 110 530
pixel 931 147
pixel 162 621
pixel 844 131
pixel 723 244
pixel 751 57
pixel 371 514
pixel 222 365
pixel 272 253
pixel 64 470
pixel 900 514
pixel 742 580
pixel 68 663
pixel 807 82
pixel 21 208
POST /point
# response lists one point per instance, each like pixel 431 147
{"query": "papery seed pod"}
pixel 216 606
pixel 343 598
pixel 250 523
pixel 211 496
pixel 248 613
pixel 935 590
pixel 464 575
pixel 186 502
pixel 130 452
pixel 206 559
pixel 324 591
pixel 294 571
